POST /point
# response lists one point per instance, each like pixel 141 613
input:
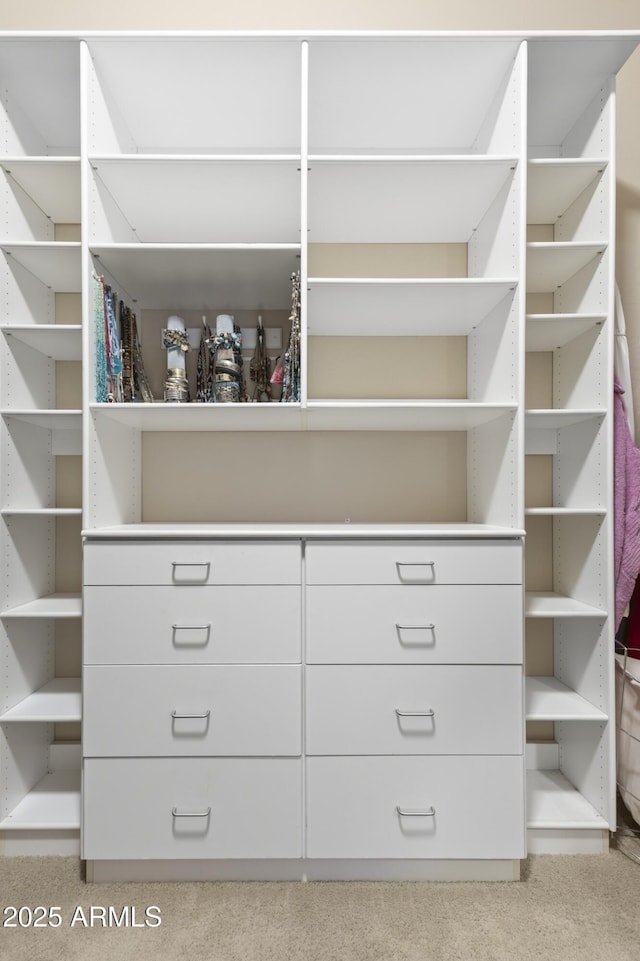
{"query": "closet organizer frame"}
pixel 571 783
pixel 129 244
pixel 40 197
pixel 46 145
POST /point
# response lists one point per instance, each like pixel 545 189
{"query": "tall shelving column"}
pixel 40 347
pixel 569 480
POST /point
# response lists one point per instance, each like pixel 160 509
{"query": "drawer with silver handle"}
pixel 188 625
pixel 195 563
pixel 421 709
pixel 415 807
pixel 482 561
pixel 187 710
pixel 387 624
pixel 192 808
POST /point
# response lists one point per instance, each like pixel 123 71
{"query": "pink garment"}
pixel 626 469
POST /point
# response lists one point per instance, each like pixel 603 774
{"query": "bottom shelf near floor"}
pixel 553 803
pixel 53 804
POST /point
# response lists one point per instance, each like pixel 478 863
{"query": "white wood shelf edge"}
pixel 58 700
pixel 555 804
pixel 565 511
pixel 59 605
pixel 202 531
pixel 53 804
pixel 547 332
pixel 556 418
pixel 50 419
pixel 551 604
pixel 548 699
pixel 41 511
pixel 58 341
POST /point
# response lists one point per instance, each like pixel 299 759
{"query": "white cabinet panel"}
pixel 414 710
pixel 192 808
pixel 189 625
pixel 195 563
pixel 414 562
pixel 446 624
pixel 203 710
pixel 467 807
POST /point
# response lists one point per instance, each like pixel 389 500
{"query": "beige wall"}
pixel 401 15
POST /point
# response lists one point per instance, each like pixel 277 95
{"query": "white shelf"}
pixel 553 803
pixel 195 276
pixel 41 511
pixel 53 804
pixel 59 700
pixel 394 308
pixel 550 604
pixel 52 183
pixel 55 264
pixel 554 419
pixel 58 341
pixel 550 265
pixel 201 199
pixel 548 699
pixel 53 419
pixel 60 605
pixel 198 531
pixel 198 417
pixel 554 184
pixel 405 199
pixel 402 415
pixel 318 415
pixel 550 331
pixel 565 511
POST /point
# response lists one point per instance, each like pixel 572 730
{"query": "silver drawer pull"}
pixel 200 577
pixel 429 713
pixel 431 564
pixel 191 814
pixel 191 627
pixel 176 715
pixel 415 563
pixel 404 813
pixel 416 627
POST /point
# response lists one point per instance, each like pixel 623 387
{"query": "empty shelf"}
pixel 53 804
pixel 58 341
pixel 53 183
pixel 550 331
pixel 548 699
pixel 59 700
pixel 553 803
pixel 550 604
pixel 554 184
pixel 549 265
pixel 53 605
pixel 55 264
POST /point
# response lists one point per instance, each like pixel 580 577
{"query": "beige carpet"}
pixel 563 909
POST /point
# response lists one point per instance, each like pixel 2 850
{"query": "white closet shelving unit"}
pixel 40 188
pixel 570 288
pixel 205 169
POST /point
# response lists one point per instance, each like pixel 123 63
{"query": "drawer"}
pixel 192 808
pixel 414 562
pixel 454 807
pixel 414 710
pixel 443 623
pixel 189 625
pixel 192 562
pixel 188 710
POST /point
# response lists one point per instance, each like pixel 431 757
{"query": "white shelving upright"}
pixel 570 287
pixel 40 191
